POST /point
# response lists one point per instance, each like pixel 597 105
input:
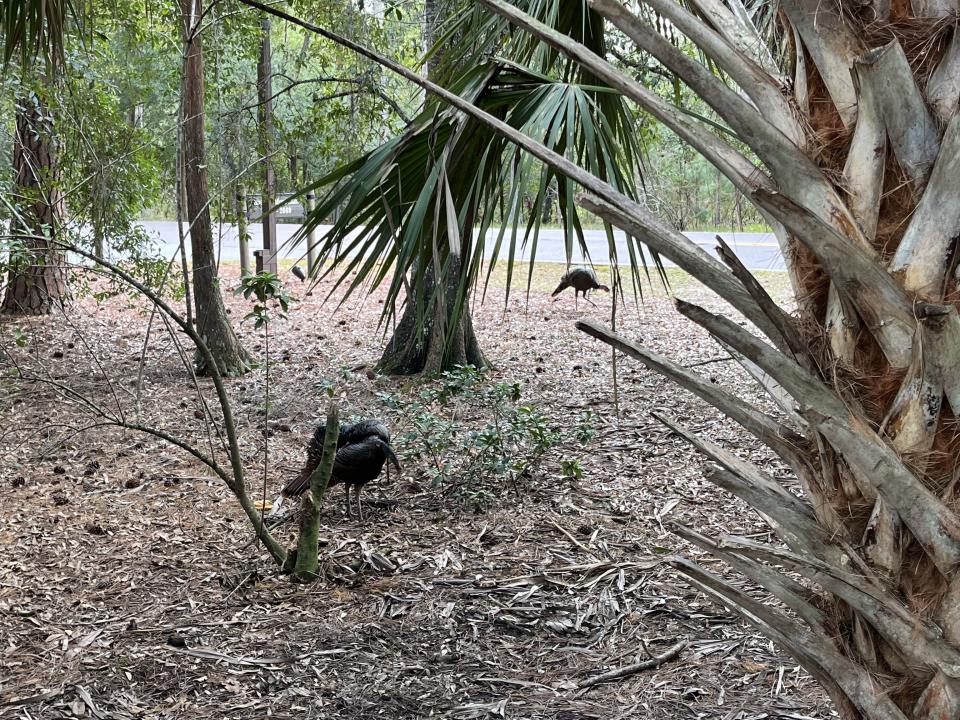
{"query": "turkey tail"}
pixel 298 485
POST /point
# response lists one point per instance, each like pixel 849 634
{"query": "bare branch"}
pixel 739 31
pixel 238 486
pixel 935 526
pixel 781 397
pixel 781 439
pixel 845 681
pixel 880 301
pixel 654 662
pixel 794 172
pixel 787 514
pixel 920 642
pixel 789 337
pixel 686 254
pixel 763 88
pixel 789 592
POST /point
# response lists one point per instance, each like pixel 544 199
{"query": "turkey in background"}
pixel 582 280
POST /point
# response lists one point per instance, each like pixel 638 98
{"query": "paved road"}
pixel 758 251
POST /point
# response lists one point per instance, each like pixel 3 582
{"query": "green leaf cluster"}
pixel 268 291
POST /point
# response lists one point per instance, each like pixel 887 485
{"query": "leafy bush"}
pixel 506 448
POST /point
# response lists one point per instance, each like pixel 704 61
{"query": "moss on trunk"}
pixel 305 562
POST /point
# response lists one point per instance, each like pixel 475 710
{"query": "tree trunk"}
pixel 243 232
pixel 305 562
pixel 36 282
pixel 309 204
pixel 266 145
pixel 420 343
pixel 212 322
pixel 99 248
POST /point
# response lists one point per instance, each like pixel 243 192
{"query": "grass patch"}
pixel 546 276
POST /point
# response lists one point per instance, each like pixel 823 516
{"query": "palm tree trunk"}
pixel 879 464
pixel 420 343
pixel 37 282
pixel 212 321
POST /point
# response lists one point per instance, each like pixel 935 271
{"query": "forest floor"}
pixel 129 587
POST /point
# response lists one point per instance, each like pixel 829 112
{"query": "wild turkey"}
pixel 582 280
pixel 362 450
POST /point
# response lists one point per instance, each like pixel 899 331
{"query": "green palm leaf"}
pixel 406 208
pixel 35 28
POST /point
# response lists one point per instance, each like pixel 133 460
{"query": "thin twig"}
pixel 613 325
pixel 146 337
pixel 572 538
pixel 710 361
pixel 236 459
pixel 266 419
pixel 627 670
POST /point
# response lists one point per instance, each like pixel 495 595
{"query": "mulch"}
pixel 129 587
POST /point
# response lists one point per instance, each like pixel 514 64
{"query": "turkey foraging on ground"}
pixel 362 450
pixel 582 280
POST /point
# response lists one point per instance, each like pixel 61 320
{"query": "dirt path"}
pixel 126 589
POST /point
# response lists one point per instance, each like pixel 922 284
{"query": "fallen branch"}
pixel 627 670
pixel 32 699
pixel 215 656
pixel 572 538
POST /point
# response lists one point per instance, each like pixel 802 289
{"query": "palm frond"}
pixel 404 215
pixel 35 29
pixel 401 204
